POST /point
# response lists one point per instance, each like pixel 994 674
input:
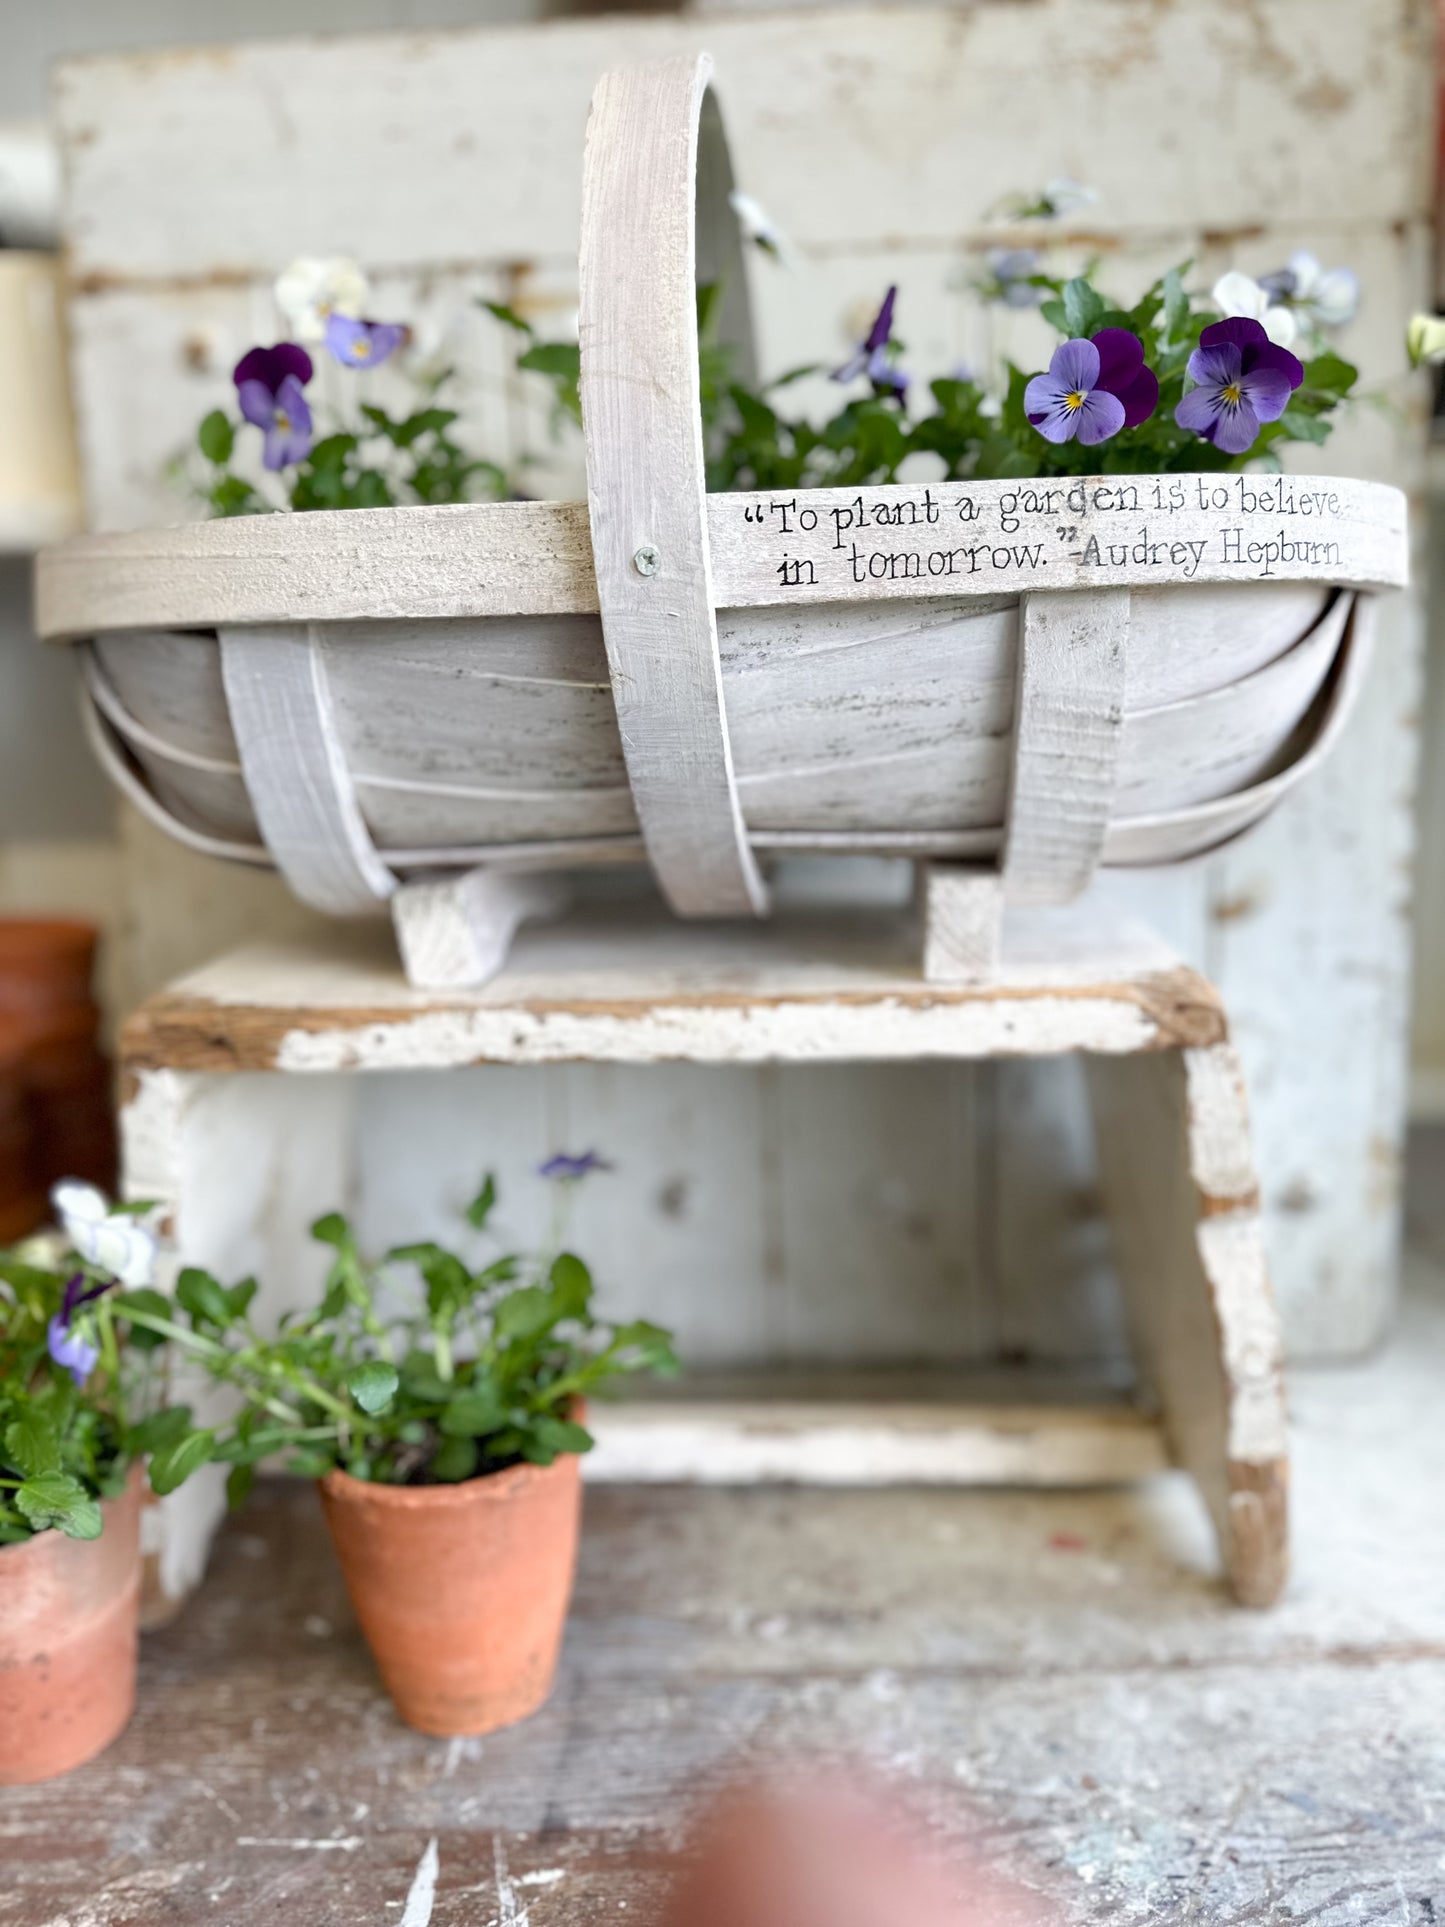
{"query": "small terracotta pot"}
pixel 68 1619
pixel 461 1590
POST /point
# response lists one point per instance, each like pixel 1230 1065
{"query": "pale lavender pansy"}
pixel 362 344
pixel 269 387
pixel 567 1170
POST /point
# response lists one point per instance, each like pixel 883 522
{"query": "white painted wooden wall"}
pixel 904 1212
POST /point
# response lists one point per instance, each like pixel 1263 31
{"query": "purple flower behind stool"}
pixel 269 387
pixel 362 344
pixel 1243 380
pixel 568 1170
pixel 69 1347
pixel 870 358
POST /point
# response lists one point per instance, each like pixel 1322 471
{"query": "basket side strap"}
pixel 1068 718
pixel 295 768
pixel 646 484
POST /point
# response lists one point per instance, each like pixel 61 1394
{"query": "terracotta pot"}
pixel 23 1203
pixel 46 966
pixel 461 1590
pixel 68 1621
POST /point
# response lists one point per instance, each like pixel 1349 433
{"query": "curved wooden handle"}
pixel 646 482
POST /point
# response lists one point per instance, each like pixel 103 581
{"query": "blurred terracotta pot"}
pixel 461 1590
pixel 23 1203
pixel 46 967
pixel 68 1622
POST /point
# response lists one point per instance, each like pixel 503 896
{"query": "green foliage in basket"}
pixel 1178 379
pixel 77 1373
pixel 427 1368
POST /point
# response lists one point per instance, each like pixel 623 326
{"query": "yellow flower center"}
pixel 1076 400
pixel 283 420
pixel 1233 394
pixel 360 348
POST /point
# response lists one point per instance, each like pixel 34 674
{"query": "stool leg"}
pixel 1183 1205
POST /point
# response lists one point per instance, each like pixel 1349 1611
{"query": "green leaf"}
pixel 480 1208
pixel 571 1286
pixel 57 1499
pixel 1083 308
pixel 524 1313
pixel 198 1293
pixel 152 1305
pixel 508 317
pixel 332 1229
pixel 373 1385
pixel 239 1481
pixel 473 1413
pixel 1053 313
pixel 455 1459
pixel 162 1428
pixel 174 1463
pixel 561 1434
pixel 422 1382
pixel 1331 373
pixel 238 1298
pixel 216 438
pixel 32 1445
pixel 556 358
pixel 1176 305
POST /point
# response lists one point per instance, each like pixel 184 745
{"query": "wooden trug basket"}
pixel 1036 676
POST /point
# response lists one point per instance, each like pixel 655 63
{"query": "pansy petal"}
pixel 1075 365
pixel 1215 366
pixel 1280 325
pixel 1199 411
pixel 1042 396
pixel 257 402
pixel 1140 397
pixel 1236 428
pixel 1101 416
pixel 881 333
pixel 73 1198
pixel 290 359
pixel 1238 332
pixel 1121 355
pixel 1268 392
pixel 1337 297
pixel 1278 360
pixel 1238 294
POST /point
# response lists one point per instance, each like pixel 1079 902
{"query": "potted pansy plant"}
pixel 439 1401
pixel 78 1380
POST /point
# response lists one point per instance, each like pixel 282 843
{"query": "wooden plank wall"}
pixel 911 1211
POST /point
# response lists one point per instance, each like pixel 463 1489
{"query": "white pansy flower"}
pixel 110 1240
pixel 1329 297
pixel 1237 294
pixel 314 288
pixel 759 227
pixel 1064 195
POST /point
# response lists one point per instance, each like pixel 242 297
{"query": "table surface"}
pixel 629 983
pixel 1055 1679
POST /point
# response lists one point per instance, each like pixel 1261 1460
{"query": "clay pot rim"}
pixel 417 1498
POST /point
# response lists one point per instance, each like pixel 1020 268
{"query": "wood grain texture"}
pixel 960 906
pixel 625 986
pixel 1178 1175
pixel 911 541
pixel 1073 654
pixel 646 486
pixel 296 770
pixel 458 930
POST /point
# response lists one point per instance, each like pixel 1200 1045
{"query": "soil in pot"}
pixel 68 1623
pixel 461 1590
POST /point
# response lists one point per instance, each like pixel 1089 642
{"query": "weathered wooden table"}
pixel 627 984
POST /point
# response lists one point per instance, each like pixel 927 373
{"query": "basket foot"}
pixel 455 932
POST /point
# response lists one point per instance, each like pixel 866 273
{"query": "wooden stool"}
pixel 634 986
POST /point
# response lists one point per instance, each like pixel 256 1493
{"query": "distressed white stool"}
pixel 631 985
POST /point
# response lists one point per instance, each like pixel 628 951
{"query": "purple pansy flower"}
pixel 362 344
pixel 870 358
pixel 269 384
pixel 66 1345
pixel 568 1169
pixel 1068 401
pixel 1243 381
